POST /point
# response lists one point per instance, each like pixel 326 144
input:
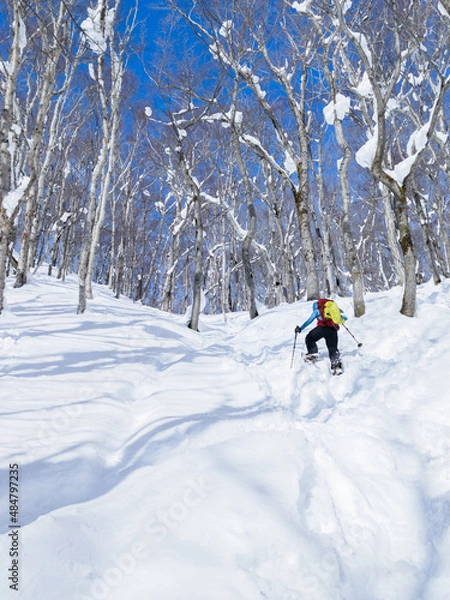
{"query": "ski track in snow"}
pixel 160 463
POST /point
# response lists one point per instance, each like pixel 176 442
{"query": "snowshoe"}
pixel 336 368
pixel 310 358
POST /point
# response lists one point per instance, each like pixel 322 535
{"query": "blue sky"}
pixel 152 12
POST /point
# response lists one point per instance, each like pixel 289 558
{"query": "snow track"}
pixel 160 463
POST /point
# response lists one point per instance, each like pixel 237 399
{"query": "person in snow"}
pixel 329 317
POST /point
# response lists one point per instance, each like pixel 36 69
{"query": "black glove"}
pixel 298 329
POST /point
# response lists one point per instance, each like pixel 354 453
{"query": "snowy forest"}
pixel 240 153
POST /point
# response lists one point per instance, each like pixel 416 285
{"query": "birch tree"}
pixel 441 169
pixel 53 35
pixel 383 80
pixel 13 184
pixel 331 283
pixel 334 113
pixel 194 199
pixel 99 31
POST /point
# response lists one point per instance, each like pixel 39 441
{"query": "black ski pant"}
pixel 331 339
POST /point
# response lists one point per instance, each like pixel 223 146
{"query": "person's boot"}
pixel 336 365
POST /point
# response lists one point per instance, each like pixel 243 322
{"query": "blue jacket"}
pixel 315 315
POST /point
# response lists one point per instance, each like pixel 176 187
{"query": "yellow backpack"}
pixel 330 311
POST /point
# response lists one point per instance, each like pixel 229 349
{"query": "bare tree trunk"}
pixel 198 270
pixel 446 4
pixel 83 265
pixel 167 291
pixel 225 276
pixel 409 295
pixel 302 200
pixel 251 230
pixel 117 264
pixel 282 282
pixel 246 261
pixel 197 285
pixel 8 136
pixel 5 238
pixel 325 236
pixel 110 132
pixel 444 165
pixel 429 240
pixel 444 238
pixel 391 235
pixel 349 244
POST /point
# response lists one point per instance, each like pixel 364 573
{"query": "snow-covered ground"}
pixel 156 463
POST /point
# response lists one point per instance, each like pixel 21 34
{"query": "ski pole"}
pixel 359 343
pixel 293 350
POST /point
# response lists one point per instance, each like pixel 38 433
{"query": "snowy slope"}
pixel 161 464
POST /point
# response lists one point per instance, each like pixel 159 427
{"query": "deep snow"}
pixel 157 463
